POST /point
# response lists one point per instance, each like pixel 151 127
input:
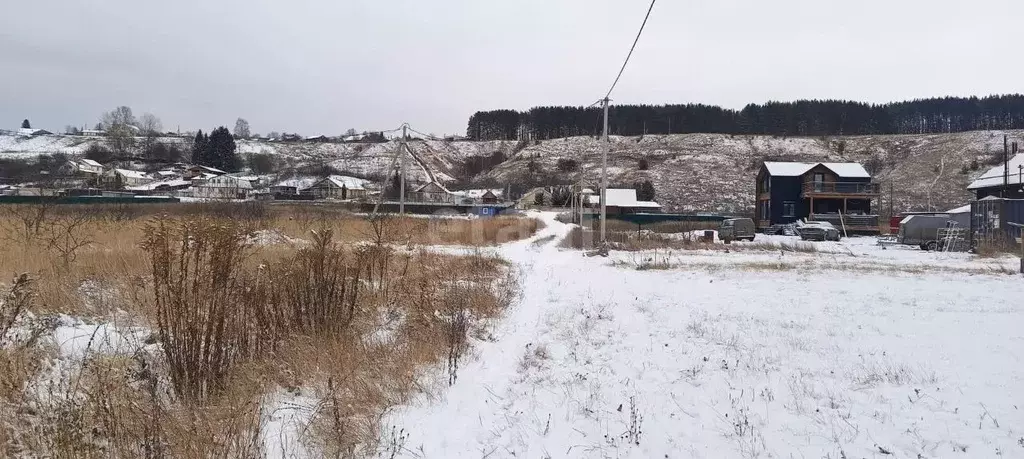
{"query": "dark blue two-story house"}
pixel 839 193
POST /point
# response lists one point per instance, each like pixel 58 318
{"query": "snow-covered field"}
pixel 900 353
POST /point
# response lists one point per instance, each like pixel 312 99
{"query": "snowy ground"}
pixel 900 353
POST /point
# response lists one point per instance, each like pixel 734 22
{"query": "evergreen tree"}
pixel 199 149
pixel 798 118
pixel 394 188
pixel 25 124
pixel 644 190
pixel 221 150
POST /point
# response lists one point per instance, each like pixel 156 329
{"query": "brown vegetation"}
pixel 578 238
pixel 353 325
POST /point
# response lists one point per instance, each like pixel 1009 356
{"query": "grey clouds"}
pixel 323 67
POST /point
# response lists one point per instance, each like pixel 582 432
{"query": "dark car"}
pixel 736 229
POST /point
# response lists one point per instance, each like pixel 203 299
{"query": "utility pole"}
pixel 604 173
pixel 1006 165
pixel 890 198
pixel 401 161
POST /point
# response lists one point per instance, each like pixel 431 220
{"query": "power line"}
pixel 637 40
pixel 427 136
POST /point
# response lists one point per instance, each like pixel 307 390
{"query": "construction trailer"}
pixel 932 232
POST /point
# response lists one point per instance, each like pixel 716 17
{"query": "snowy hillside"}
pixel 690 172
pixel 715 172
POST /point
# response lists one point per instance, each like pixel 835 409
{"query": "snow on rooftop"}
pixel 31 132
pixel 131 174
pixel 163 183
pixel 478 193
pixel 351 183
pixel 794 169
pixel 779 169
pixel 209 169
pixel 849 170
pixel 994 176
pixel 90 162
pixel 647 205
pixel 960 210
pixel 621 197
pixel 298 182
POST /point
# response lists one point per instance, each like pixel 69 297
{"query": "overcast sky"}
pixel 322 66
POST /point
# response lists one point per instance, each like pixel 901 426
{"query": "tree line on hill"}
pixel 799 118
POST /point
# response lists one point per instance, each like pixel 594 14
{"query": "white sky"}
pixel 326 66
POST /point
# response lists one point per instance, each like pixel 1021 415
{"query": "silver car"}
pixel 818 231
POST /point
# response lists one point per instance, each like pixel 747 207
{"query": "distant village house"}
pixel 222 187
pixel 338 187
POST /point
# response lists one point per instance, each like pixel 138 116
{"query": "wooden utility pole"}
pixel 604 173
pixel 401 161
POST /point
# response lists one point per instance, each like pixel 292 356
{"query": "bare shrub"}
pixel 316 291
pixel 26 222
pixel 14 303
pixel 202 300
pixel 456 328
pixel 68 235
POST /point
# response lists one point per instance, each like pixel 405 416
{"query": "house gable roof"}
pixel 795 169
pixel 432 187
pixel 89 162
pixel 209 169
pixel 994 176
pixel 128 173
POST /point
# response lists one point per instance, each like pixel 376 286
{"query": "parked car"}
pixel 736 229
pixel 818 231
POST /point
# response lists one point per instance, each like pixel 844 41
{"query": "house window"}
pixel 789 209
pixel 766 184
pixel 819 179
pixel 765 210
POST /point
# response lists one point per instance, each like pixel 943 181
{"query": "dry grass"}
pixel 580 238
pixel 998 248
pixel 354 325
pixel 420 231
pixel 660 227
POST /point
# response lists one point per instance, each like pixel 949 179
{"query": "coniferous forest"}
pixel 800 118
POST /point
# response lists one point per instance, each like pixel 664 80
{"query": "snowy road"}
pixel 598 360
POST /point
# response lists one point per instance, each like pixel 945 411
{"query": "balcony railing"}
pixel 851 188
pixel 854 222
